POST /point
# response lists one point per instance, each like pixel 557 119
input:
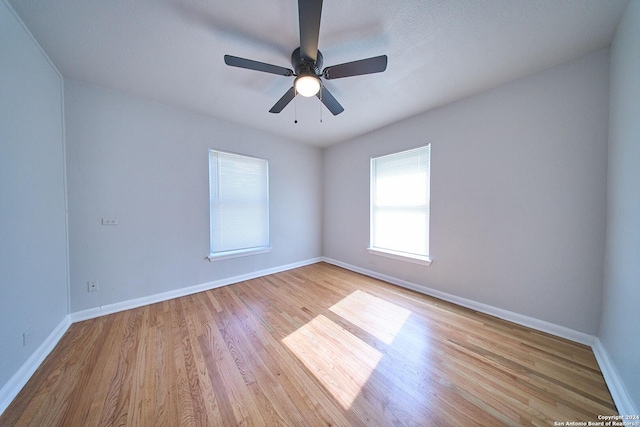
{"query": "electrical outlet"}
pixel 109 221
pixel 26 336
pixel 92 286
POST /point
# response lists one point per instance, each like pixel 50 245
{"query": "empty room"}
pixel 308 213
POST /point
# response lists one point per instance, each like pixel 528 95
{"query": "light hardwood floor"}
pixel 313 346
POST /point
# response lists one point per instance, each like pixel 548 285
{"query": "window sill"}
pixel 402 256
pixel 236 254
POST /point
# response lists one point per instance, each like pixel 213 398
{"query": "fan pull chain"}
pixel 320 102
pixel 295 104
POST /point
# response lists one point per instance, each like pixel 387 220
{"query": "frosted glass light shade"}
pixel 307 85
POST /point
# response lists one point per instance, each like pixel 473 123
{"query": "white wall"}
pixel 146 164
pixel 518 195
pixel 33 236
pixel 620 326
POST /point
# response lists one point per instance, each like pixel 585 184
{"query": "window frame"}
pixel 421 259
pixel 240 252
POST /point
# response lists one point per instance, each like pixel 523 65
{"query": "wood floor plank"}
pixel 317 345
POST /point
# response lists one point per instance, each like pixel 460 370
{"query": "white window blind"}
pixel 400 186
pixel 239 204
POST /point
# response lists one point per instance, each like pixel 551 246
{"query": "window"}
pixel 400 186
pixel 239 205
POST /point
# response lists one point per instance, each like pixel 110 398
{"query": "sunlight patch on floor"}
pixel 342 362
pixel 379 317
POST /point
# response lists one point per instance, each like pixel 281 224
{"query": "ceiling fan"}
pixel 306 61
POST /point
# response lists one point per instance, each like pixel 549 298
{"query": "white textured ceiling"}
pixel 439 51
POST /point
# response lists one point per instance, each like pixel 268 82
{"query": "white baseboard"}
pixel 619 393
pixel 91 313
pixel 11 389
pixel 530 322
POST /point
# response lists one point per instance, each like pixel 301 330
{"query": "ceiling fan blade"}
pixel 330 102
pixel 309 12
pixel 282 102
pixel 250 64
pixel 376 64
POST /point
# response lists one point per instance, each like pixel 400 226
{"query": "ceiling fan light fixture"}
pixel 307 61
pixel 307 85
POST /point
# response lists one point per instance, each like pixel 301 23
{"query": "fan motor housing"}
pixel 302 65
